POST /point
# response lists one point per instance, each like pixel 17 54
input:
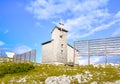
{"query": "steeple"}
pixel 59 31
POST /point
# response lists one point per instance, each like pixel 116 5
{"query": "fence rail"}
pixel 99 47
pixel 29 56
pixel 25 57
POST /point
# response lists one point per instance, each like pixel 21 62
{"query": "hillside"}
pixel 60 74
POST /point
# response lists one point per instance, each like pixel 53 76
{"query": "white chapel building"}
pixel 57 50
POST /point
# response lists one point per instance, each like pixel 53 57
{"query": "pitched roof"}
pixel 47 42
pixel 59 29
pixel 72 47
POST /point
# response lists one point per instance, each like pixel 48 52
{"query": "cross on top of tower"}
pixel 61 25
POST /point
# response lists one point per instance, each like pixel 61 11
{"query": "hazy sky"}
pixel 25 24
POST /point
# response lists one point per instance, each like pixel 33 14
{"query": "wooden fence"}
pixel 98 47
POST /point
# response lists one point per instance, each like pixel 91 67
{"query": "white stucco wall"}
pixel 47 53
pixel 61 56
pixel 55 36
pixel 70 54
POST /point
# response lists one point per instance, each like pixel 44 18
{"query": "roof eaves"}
pixel 59 29
pixel 47 42
pixel 72 47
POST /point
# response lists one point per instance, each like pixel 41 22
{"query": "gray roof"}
pixel 59 29
pixel 47 42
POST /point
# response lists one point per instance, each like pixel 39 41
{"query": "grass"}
pixel 41 72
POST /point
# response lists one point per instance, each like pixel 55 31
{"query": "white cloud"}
pixel 83 60
pixel 38 24
pixel 93 60
pixel 1 43
pixel 116 32
pixel 45 9
pixel 99 60
pixel 117 15
pixel 36 44
pixel 21 49
pixel 99 28
pixel 6 31
pixel 87 25
pixel 82 18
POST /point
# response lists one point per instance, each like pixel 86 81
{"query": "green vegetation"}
pixel 38 73
pixel 12 68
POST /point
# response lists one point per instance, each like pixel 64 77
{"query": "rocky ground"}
pixel 95 74
pixel 77 79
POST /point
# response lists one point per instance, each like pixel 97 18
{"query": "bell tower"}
pixel 59 36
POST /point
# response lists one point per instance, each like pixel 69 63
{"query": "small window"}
pixel 61 51
pixel 61 36
pixel 61 45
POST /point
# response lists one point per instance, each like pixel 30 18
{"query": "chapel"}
pixel 57 50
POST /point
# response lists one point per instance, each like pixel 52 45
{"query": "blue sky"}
pixel 25 24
